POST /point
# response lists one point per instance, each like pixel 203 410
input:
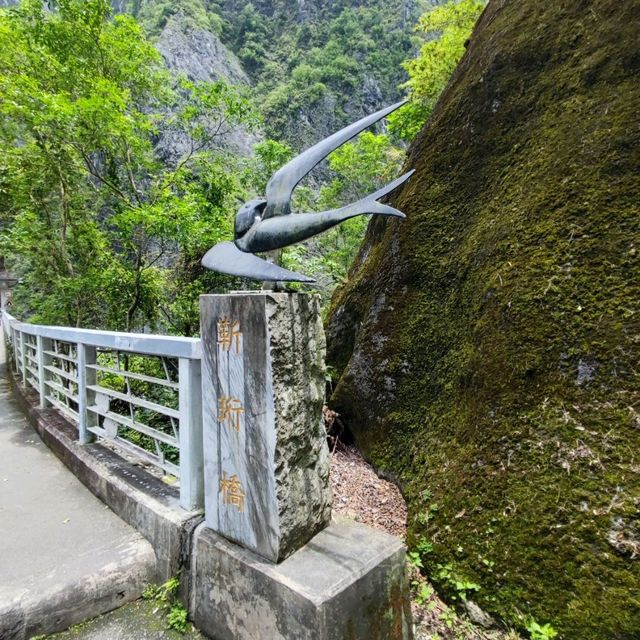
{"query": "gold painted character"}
pixel 229 333
pixel 229 410
pixel 231 490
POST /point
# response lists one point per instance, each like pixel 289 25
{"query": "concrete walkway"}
pixel 64 556
pixel 140 620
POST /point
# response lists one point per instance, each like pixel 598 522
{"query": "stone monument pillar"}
pixel 268 562
pixel 266 458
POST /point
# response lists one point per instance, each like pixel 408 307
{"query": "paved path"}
pixel 140 620
pixel 64 556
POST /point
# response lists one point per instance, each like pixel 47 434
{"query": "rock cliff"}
pixel 489 344
pixel 199 55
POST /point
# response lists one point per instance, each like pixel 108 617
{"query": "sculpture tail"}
pixel 370 204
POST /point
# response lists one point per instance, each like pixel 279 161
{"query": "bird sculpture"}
pixel 265 225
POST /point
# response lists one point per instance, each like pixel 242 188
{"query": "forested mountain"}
pixel 315 66
pixel 244 80
pixel 318 65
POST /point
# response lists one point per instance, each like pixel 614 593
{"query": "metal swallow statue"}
pixel 268 225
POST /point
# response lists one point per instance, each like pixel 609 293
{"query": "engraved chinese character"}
pixel 229 410
pixel 231 490
pixel 228 334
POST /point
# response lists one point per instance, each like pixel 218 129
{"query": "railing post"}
pixel 86 419
pixel 191 460
pixel 14 347
pixel 42 345
pixel 23 359
pixel 12 340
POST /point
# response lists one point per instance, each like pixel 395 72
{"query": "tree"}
pixel 358 168
pixel 93 219
pixel 446 28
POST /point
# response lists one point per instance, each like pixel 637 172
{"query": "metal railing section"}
pixel 141 393
pixel 59 384
pixel 139 412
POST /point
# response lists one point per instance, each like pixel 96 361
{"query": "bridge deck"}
pixel 64 556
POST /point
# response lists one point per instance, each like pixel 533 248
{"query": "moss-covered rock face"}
pixel 491 342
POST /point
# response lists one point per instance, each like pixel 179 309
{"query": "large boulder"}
pixel 489 345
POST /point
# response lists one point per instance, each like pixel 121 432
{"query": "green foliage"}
pixel 448 617
pixel 415 560
pixel 92 217
pixel 165 396
pixel 423 547
pixel 167 597
pixel 250 37
pixel 177 618
pixel 305 58
pixel 446 29
pixel 420 587
pixel 457 586
pixel 155 15
pixel 540 632
pixel 269 156
pixel 423 591
pixel 359 168
pixel 164 593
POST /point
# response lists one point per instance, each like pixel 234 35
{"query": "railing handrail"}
pixel 155 345
pixel 34 347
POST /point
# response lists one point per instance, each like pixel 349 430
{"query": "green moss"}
pixel 505 312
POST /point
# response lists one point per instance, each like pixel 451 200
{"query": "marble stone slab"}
pixel 266 458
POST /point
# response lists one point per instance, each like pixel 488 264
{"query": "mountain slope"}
pixel 199 55
pixel 319 65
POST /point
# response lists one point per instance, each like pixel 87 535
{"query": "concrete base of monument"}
pixel 348 583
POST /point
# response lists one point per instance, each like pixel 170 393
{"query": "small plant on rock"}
pixel 540 632
pixel 415 559
pixel 424 546
pixel 459 585
pixel 167 596
pixel 177 618
pixel 423 591
pixel 448 617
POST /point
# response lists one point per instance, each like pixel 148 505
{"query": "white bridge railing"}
pixel 141 393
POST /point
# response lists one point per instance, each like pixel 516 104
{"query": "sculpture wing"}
pixel 284 181
pixel 225 257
